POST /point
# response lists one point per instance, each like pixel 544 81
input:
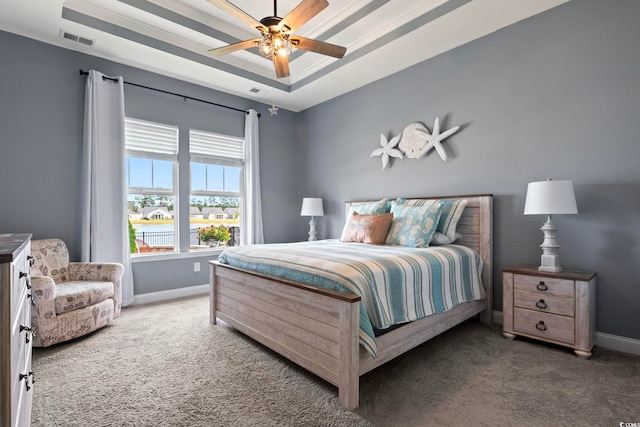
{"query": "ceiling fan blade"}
pixel 318 46
pixel 234 47
pixel 281 64
pixel 303 12
pixel 239 13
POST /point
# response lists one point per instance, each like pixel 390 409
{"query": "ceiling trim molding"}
pixel 410 26
pixel 125 33
pixel 176 18
pixel 128 34
pixel 347 22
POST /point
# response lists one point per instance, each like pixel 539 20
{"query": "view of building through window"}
pixel 215 177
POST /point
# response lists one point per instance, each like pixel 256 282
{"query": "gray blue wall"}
pixel 41 122
pixel 554 96
pixel 557 95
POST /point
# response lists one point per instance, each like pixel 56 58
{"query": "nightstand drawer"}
pixel 564 306
pixel 544 325
pixel 544 285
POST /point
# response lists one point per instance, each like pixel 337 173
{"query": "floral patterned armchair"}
pixel 71 298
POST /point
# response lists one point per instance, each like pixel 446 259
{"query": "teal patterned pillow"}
pixel 413 225
pixel 380 207
pixel 451 212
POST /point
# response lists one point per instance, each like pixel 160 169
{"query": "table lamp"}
pixel 312 206
pixel 550 198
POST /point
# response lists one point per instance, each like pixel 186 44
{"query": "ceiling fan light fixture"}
pixel 275 44
pixel 276 41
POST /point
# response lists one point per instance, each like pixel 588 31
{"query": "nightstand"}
pixel 558 308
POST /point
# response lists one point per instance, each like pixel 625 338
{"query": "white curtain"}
pixel 105 235
pixel 251 214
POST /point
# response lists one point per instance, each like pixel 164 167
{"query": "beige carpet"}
pixel 164 365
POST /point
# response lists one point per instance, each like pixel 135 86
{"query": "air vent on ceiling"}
pixel 260 92
pixel 67 35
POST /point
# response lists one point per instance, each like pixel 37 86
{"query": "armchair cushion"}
pixel 74 295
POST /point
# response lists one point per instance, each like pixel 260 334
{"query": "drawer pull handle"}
pixel 25 377
pixel 29 333
pixel 541 286
pixel 541 326
pixel 31 260
pixel 30 296
pixel 27 278
pixel 541 304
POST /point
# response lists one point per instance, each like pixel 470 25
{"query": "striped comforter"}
pixel 397 284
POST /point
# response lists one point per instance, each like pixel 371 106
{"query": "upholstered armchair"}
pixel 71 298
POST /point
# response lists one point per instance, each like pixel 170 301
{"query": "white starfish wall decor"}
pixel 434 140
pixel 414 142
pixel 388 149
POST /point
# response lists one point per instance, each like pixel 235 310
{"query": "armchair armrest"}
pixel 43 289
pixel 101 271
pixel 96 271
pixel 43 314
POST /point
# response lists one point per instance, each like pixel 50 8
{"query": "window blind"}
pixel 148 139
pixel 206 147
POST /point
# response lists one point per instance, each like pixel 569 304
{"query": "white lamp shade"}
pixel 550 198
pixel 312 206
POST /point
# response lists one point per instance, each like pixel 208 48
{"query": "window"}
pixel 152 166
pixel 216 166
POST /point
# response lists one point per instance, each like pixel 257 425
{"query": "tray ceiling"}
pixel 172 37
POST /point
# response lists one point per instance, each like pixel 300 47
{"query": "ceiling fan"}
pixel 276 40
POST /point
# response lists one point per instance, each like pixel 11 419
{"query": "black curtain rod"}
pixel 84 73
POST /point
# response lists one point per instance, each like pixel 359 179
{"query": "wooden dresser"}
pixel 559 308
pixel 16 377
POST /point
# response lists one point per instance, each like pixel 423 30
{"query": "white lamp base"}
pixel 312 230
pixel 550 260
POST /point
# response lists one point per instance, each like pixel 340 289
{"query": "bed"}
pixel 320 329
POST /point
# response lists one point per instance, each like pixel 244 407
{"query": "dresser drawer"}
pixel 21 338
pixel 564 306
pixel 20 278
pixel 544 285
pixel 21 366
pixel 544 325
pixel 22 392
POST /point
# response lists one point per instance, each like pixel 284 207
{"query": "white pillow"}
pixel 439 239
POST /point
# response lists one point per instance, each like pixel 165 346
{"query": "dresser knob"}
pixel 541 326
pixel 541 304
pixel 541 286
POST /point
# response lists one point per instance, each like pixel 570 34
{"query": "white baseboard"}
pixel 618 343
pixel 170 294
pixel 612 342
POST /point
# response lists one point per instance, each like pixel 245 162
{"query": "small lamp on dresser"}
pixel 550 198
pixel 312 206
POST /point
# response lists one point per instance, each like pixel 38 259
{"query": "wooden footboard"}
pixel 313 327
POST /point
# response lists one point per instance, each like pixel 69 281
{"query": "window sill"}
pixel 176 255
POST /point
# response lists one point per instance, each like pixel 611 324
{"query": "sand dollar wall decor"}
pixel 414 142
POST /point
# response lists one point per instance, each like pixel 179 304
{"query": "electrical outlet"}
pixel 196 267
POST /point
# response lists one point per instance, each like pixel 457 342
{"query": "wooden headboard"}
pixel 476 227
